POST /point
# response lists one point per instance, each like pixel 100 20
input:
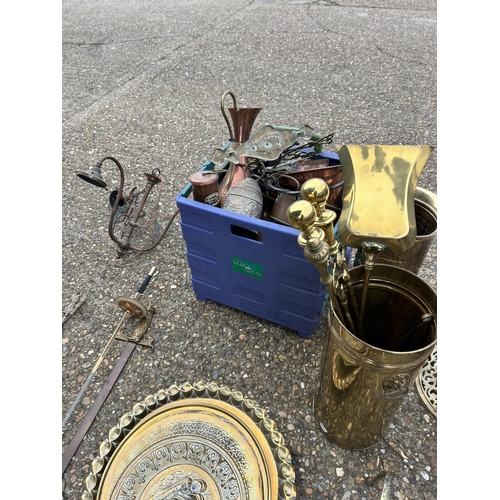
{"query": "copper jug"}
pixel 243 120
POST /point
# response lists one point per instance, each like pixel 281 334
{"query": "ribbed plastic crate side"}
pixel 250 264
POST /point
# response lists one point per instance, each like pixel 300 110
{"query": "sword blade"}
pixel 96 367
pixel 96 406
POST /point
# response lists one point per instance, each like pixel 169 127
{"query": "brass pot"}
pixel 413 258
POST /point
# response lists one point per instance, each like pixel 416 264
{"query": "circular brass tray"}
pixel 193 442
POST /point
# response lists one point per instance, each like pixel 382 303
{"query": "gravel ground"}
pixel 142 81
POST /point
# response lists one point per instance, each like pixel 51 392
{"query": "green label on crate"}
pixel 245 267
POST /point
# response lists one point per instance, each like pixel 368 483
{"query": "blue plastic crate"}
pixel 250 264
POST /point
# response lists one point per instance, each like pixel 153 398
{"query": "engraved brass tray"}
pixel 193 442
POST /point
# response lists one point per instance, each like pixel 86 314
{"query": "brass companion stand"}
pixel 362 384
pixel 372 357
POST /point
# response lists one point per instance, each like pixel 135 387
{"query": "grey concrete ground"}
pixel 142 81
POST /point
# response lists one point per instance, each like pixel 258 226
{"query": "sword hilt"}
pixel 136 308
pixel 146 281
pixel 132 305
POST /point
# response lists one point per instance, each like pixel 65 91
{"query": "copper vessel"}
pixel 205 188
pixel 242 120
pixel 319 169
pixel 281 197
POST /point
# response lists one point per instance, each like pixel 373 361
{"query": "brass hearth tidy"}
pixel 383 320
pixel 193 442
pixel 362 384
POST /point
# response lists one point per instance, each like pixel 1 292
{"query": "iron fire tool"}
pixel 128 213
pixel 132 306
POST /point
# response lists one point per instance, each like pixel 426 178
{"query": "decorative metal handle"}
pixel 396 386
pixel 231 134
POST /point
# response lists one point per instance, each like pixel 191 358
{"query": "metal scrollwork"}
pixel 427 383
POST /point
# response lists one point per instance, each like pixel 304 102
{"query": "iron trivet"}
pixel 200 441
pixel 427 386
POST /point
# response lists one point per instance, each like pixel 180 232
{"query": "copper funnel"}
pixel 243 120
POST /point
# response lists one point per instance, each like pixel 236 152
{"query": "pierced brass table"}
pixel 426 383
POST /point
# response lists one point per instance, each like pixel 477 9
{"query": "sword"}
pixel 131 306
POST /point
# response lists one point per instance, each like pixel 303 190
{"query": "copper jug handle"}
pixel 273 182
pixel 231 135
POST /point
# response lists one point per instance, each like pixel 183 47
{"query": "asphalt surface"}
pixel 142 81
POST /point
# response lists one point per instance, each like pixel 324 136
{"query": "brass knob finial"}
pixel 301 215
pixel 315 191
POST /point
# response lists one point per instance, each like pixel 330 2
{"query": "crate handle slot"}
pixel 247 233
